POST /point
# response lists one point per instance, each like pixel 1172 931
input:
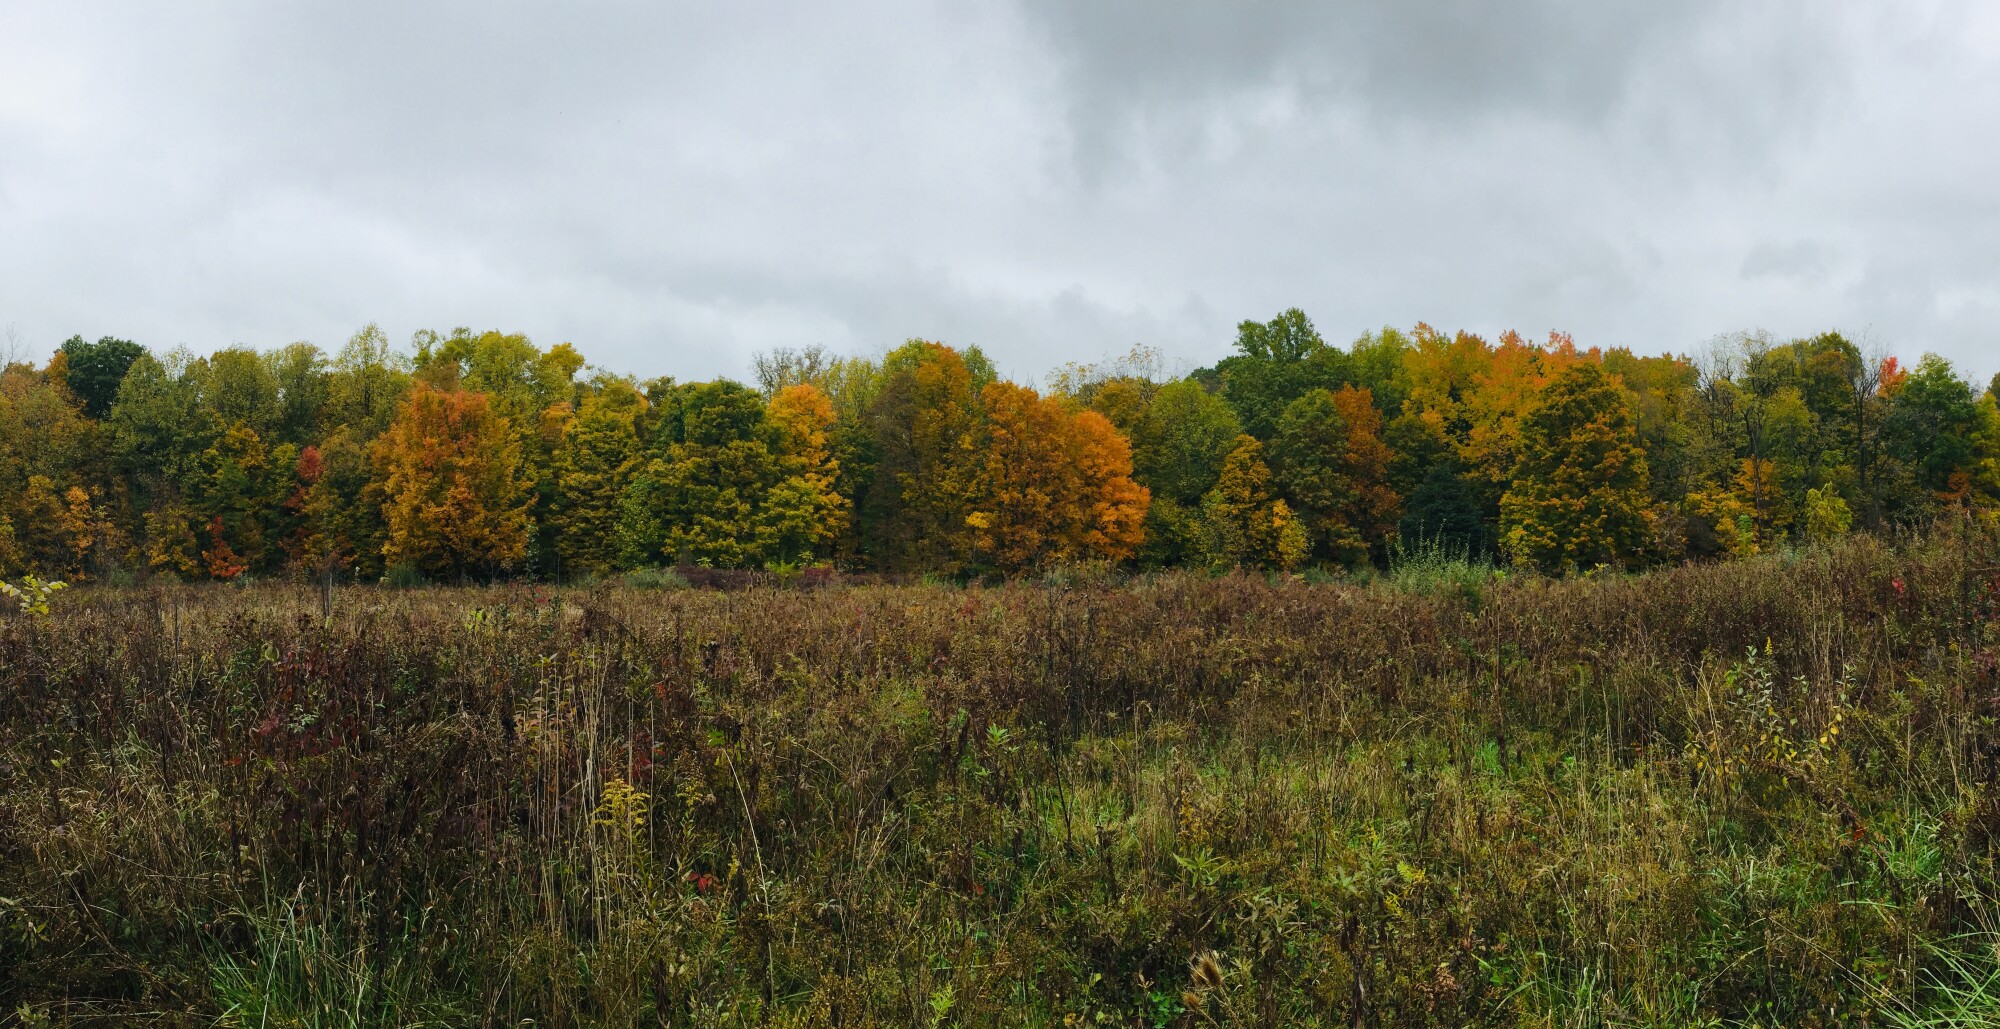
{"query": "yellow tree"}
pixel 1502 395
pixel 804 418
pixel 246 485
pixel 1985 471
pixel 1246 522
pixel 44 441
pixel 1579 492
pixel 58 530
pixel 453 499
pixel 1757 486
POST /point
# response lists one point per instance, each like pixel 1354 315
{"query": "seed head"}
pixel 1206 970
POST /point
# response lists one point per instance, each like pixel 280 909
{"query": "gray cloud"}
pixel 1803 260
pixel 673 187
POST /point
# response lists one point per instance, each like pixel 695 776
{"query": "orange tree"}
pixel 1058 484
pixel 454 501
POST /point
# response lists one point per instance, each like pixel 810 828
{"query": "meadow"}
pixel 1749 793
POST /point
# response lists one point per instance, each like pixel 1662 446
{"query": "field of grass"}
pixel 1759 793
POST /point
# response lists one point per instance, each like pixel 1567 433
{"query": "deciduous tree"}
pixel 929 474
pixel 1332 466
pixel 1579 493
pixel 593 462
pixel 454 502
pixel 1058 484
pixel 1247 523
pixel 93 371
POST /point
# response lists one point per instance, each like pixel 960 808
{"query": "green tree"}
pixel 1827 517
pixel 238 388
pixel 1276 363
pixel 1181 443
pixel 1928 431
pixel 160 427
pixel 300 373
pixel 1178 447
pixel 365 385
pixel 94 370
pixel 1444 511
pixel 592 464
pixel 340 508
pixel 243 494
pixel 1331 464
pixel 721 488
pixel 1376 363
pixel 928 474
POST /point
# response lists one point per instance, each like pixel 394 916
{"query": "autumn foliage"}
pixel 478 455
pixel 1058 484
pixel 453 498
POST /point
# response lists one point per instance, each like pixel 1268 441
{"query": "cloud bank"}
pixel 674 187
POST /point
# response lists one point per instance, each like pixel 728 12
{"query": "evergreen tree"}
pixel 1444 511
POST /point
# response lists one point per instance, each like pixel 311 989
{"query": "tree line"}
pixel 478 455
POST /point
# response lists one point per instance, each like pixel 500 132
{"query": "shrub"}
pixel 403 575
pixel 1437 565
pixel 655 579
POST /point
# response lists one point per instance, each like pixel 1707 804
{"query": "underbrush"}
pixel 1437 566
pixel 1759 793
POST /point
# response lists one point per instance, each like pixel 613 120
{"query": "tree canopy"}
pixel 478 454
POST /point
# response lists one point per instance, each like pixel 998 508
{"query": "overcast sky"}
pixel 675 186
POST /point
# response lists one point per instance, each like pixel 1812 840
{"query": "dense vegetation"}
pixel 482 456
pixel 1758 792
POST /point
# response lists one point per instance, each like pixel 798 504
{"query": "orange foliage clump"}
pixel 1059 484
pixel 454 501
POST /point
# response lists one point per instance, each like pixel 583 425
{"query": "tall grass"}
pixel 1758 793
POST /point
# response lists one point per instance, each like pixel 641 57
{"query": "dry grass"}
pixel 1168 801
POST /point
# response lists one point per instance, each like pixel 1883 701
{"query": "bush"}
pixel 655 579
pixel 403 575
pixel 1437 565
